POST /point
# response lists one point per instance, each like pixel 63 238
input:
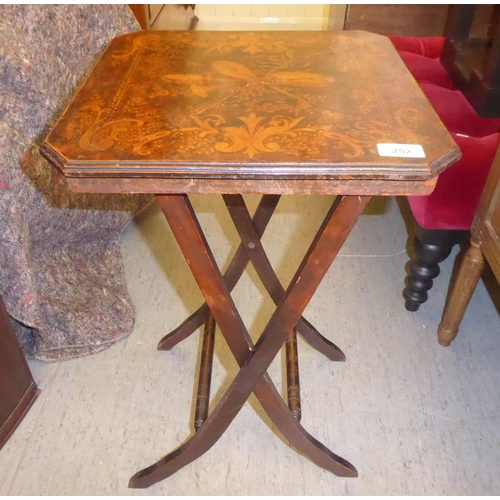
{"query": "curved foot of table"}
pixel 209 433
pixel 184 330
pixel 296 435
pixel 318 342
pixel 190 451
pixel 171 463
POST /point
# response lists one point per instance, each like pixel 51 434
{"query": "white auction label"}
pixel 401 150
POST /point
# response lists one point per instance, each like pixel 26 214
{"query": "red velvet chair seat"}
pixel 453 203
pixel 444 217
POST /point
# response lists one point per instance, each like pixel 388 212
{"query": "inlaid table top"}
pixel 250 106
pixel 173 113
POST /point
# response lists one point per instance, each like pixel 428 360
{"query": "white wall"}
pixel 263 17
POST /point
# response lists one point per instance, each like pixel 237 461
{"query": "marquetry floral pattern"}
pixel 251 134
pixel 103 134
pixel 256 134
pixel 241 95
pixel 235 76
pixel 255 43
pixel 248 42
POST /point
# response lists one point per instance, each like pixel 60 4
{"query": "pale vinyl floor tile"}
pixel 412 416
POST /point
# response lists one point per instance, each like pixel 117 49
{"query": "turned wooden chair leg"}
pixel 468 276
pixel 431 247
pixel 424 267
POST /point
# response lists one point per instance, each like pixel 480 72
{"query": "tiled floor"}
pixel 412 416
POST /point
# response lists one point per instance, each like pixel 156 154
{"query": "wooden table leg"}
pixel 254 361
pixel 261 218
pixel 255 228
pixel 253 246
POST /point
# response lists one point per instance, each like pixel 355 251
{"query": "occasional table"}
pixel 234 113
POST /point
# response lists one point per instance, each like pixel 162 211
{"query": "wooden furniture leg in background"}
pixel 430 247
pixel 468 277
pixel 18 390
pixel 139 11
pixel 485 246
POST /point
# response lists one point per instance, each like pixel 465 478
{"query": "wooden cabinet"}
pixel 471 55
pixel 485 244
pixel 486 226
pixel 18 390
pixel 394 19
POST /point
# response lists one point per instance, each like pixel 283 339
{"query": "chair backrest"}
pixel 452 205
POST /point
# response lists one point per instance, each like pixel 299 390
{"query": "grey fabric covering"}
pixel 61 272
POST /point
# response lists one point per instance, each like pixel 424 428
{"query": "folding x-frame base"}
pixel 253 360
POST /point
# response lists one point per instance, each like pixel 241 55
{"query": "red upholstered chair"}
pixel 443 218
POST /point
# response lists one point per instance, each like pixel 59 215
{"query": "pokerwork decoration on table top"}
pixel 226 97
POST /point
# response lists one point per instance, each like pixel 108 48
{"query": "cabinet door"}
pixel 18 390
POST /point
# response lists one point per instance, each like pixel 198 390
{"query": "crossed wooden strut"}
pixel 253 360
